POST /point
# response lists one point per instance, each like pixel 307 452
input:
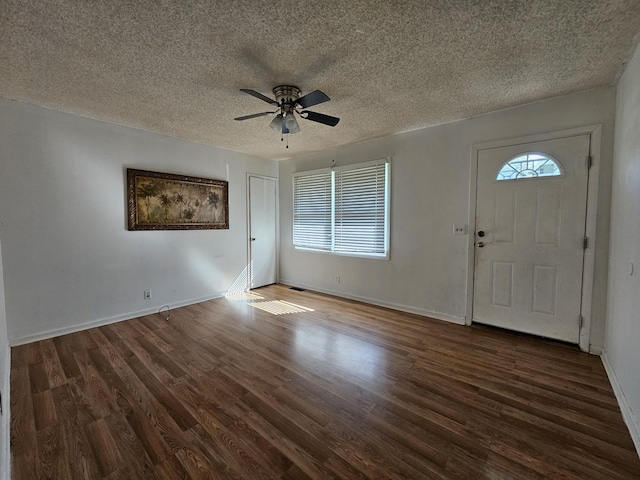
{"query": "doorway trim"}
pixel 595 133
pixel 248 226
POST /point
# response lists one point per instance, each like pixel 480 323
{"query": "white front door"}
pixel 262 231
pixel 529 244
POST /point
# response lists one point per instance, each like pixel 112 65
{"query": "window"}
pixel 344 210
pixel 529 165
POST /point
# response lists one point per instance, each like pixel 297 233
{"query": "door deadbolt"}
pixel 481 233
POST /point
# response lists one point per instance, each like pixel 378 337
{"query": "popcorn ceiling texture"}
pixel 176 67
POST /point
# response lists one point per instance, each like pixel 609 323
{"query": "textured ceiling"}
pixel 176 67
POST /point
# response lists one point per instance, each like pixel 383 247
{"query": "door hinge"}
pixel 580 321
pixel 589 161
pixel 585 242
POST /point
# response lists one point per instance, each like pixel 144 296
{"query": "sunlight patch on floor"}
pixel 280 307
pixel 244 296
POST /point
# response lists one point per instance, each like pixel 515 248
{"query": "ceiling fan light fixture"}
pixel 291 123
pixel 276 123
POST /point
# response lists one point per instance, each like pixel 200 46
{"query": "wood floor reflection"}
pixel 310 386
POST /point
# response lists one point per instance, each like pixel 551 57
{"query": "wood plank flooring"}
pixel 333 390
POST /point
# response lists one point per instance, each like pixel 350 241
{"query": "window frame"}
pixel 331 172
pixel 527 154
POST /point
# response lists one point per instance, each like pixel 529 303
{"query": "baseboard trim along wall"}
pixel 627 414
pixel 403 308
pixel 106 321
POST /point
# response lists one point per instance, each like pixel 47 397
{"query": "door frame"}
pixel 595 133
pixel 248 229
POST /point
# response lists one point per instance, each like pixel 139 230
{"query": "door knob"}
pixel 481 233
pixel 253 239
pixel 480 244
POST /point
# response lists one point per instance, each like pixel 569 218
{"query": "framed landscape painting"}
pixel 166 201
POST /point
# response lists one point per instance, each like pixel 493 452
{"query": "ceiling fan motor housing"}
pixel 286 95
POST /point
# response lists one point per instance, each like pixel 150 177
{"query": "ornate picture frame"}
pixel 166 201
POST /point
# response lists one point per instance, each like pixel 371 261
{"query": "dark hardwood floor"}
pixel 333 389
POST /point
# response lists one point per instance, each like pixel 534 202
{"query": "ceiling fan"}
pixel 289 103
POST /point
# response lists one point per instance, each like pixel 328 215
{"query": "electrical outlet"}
pixel 337 278
pixel 459 229
pixel 147 294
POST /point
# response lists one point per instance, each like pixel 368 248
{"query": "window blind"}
pixel 344 210
pixel 312 211
pixel 360 202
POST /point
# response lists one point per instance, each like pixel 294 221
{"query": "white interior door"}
pixel 262 231
pixel 529 244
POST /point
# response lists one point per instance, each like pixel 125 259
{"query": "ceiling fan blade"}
pixel 262 97
pixel 320 118
pixel 314 98
pixel 247 117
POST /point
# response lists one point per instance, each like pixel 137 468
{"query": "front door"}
pixel 529 243
pixel 262 231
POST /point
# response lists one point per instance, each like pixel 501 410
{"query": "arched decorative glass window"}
pixel 529 165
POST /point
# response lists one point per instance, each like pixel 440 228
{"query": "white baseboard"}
pixel 56 332
pixel 396 306
pixel 627 414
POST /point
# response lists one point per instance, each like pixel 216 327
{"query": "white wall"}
pixel 430 174
pixel 5 368
pixel 622 344
pixel 69 261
